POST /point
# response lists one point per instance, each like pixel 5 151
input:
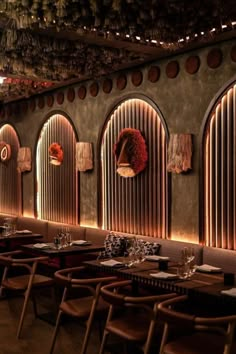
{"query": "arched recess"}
pixel 219 171
pixel 10 178
pixel 57 186
pixel 137 205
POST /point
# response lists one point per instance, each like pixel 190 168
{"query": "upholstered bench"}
pixel 218 257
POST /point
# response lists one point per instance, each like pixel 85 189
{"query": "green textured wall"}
pixel 183 102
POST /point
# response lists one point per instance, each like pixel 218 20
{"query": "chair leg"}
pixel 22 316
pixel 104 340
pixel 55 332
pixel 88 328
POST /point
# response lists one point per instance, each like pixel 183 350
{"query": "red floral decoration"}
pixel 131 152
pixel 55 154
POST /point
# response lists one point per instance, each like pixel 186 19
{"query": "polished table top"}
pixel 201 285
pixel 52 251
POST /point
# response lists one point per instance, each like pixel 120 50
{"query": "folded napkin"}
pixel 81 242
pixel 164 275
pixel 208 268
pixel 156 258
pixel 42 245
pixel 111 263
pixel 231 292
pixel 23 232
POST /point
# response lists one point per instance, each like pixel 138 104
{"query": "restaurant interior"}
pixel 117 176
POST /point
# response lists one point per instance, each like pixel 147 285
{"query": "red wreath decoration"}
pixel 131 152
pixel 55 154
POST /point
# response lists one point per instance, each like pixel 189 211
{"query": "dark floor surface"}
pixel 37 333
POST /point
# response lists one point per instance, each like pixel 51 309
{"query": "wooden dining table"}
pixel 62 253
pixel 202 286
pixel 8 242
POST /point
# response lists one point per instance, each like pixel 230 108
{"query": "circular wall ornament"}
pixel 137 77
pixel 192 64
pixel 121 82
pixel 32 105
pixel 55 154
pixel 214 58
pixel 107 85
pixel 131 152
pixel 82 92
pixel 5 151
pixel 71 94
pixel 41 102
pixel 60 97
pixel 172 69
pixel 50 100
pixel 94 89
pixel 154 73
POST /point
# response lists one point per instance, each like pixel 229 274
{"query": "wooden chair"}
pixel 19 275
pixel 131 318
pixel 200 335
pixel 86 304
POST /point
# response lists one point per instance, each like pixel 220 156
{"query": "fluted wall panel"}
pixel 220 174
pixel 10 178
pixel 139 204
pixel 57 192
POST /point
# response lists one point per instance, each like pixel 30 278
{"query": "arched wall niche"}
pixel 10 178
pixel 57 184
pixel 137 205
pixel 218 173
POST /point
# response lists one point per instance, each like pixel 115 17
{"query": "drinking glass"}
pixel 131 250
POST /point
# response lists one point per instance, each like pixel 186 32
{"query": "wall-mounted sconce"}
pixel 179 153
pixel 24 159
pixel 84 156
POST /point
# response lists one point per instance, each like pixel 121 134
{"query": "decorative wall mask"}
pixel 84 156
pixel 24 159
pixel 179 153
pixel 131 152
pixel 5 151
pixel 55 154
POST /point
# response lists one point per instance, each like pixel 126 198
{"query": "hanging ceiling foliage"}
pixel 62 40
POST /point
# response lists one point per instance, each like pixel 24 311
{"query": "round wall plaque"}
pixel 107 85
pixel 172 69
pixel 121 82
pixel 71 94
pixel 214 58
pixel 94 89
pixel 192 64
pixel 154 73
pixel 82 92
pixel 137 77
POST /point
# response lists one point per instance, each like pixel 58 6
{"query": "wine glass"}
pixel 131 249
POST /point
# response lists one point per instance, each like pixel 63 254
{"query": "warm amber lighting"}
pixel 91 224
pixel 181 236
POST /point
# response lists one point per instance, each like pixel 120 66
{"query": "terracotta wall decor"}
pixel 179 153
pixel 24 159
pixel 55 154
pixel 84 156
pixel 131 152
pixel 5 151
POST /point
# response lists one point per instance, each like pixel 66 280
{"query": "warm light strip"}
pixel 139 204
pixel 57 194
pixel 10 178
pixel 220 174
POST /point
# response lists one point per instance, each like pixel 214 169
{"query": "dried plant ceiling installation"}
pixel 45 43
